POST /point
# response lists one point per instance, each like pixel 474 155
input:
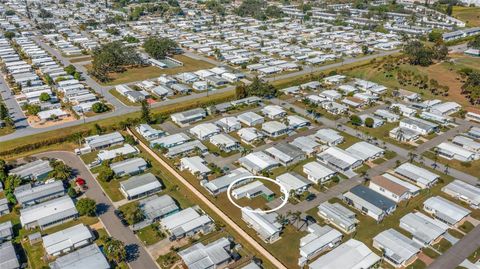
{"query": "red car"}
pixel 81 183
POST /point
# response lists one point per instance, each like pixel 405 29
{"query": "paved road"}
pixel 309 69
pixel 458 252
pixel 14 109
pixel 215 209
pixel 111 222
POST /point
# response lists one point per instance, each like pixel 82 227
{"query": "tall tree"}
pixel 146 116
pixel 158 48
pixel 114 249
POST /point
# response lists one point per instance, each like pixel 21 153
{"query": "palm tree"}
pixel 282 219
pixel 447 166
pixel 296 216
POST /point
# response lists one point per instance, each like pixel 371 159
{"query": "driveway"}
pixel 141 259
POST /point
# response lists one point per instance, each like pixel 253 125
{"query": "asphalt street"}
pixel 141 259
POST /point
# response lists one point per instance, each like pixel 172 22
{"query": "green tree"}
pixel 240 91
pixel 369 122
pixel 106 174
pixel 97 129
pixel 60 170
pixel 145 117
pixel 99 107
pixel 49 80
pixel 33 109
pixel 44 97
pixel 9 35
pixel 449 10
pixel 113 57
pixel 72 192
pixel 158 48
pixel 475 43
pixel 435 36
pixel 471 87
pixel 86 207
pixel 418 53
pixel 3 111
pixel 356 120
pixel 133 214
pixel 70 69
pixel 114 249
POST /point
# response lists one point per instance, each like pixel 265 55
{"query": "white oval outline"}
pixel 282 188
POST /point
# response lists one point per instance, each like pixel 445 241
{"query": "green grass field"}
pixel 470 15
pixel 149 72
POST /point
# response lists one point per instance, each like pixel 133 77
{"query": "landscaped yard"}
pixel 443 245
pixel 150 234
pixel 466 227
pixel 417 264
pixel 112 189
pixel 430 253
pixel 122 98
pixel 467 167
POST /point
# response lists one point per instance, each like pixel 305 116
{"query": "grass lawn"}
pixel 466 227
pixel 455 233
pixel 475 256
pixel 443 245
pixel 150 234
pixel 122 98
pixel 149 72
pixel 417 264
pixel 470 15
pixel 35 254
pixel 430 253
pixel 112 189
pixel 6 130
pixel 348 140
pixel 467 167
pixel 291 238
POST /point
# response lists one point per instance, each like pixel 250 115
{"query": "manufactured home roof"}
pixel 417 174
pixel 397 246
pixel 445 209
pixel 85 258
pixel 423 227
pixel 464 190
pixel 140 184
pixel 66 239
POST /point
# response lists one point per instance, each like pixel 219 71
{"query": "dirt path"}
pixel 214 208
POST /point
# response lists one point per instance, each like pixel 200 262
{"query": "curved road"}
pixel 113 225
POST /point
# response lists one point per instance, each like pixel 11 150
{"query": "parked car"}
pixel 311 197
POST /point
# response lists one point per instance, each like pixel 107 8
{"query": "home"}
pixel 474 132
pixel 96 142
pixel 318 173
pixel 36 170
pixel 412 189
pixel 418 175
pixel 318 240
pixel 387 115
pixel 180 88
pixel 467 143
pixel 9 258
pixel 274 128
pixel 250 135
pixel 330 95
pixel 170 141
pixel 403 110
pixel 195 165
pixel 445 211
pixel 445 109
pixel 329 137
pixel 250 118
pixel 4 207
pixel 6 231
pixel 286 154
pixel 389 189
pixel 339 159
pixel 420 126
pixel 352 254
pixel 377 122
pixel 258 161
pixel 295 122
pixel 67 240
pixel 399 250
pixel 338 215
pixel 125 150
pixel 186 148
pixel 139 186
pixel 424 230
pixel 225 142
pixel 84 258
pixel 216 254
pixel 312 85
pixel 369 202
pixel 229 124
pixel 204 131
pixel 307 144
pixel 162 91
pixel 148 132
pixel 464 192
pixel 434 117
pixel 187 223
pixel 365 151
pixel 403 134
pixel 189 116
pixel 155 208
pixel 334 108
pixel 252 190
pixel 200 86
pixel 49 213
pixel 265 224
pixel 221 184
pixel 451 151
pixel 293 182
pixel 471 116
pixel 131 167
pixel 335 79
pixel 274 112
pixel 29 194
